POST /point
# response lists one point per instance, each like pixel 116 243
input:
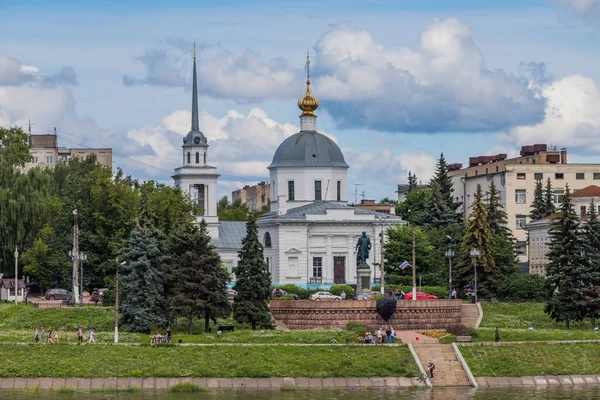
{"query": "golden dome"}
pixel 308 104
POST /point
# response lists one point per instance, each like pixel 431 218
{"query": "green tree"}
pixel 443 181
pixel 590 274
pixel 253 281
pixel 478 236
pixel 503 247
pixel 235 211
pixel 549 199
pixel 437 212
pixel 412 182
pixel 414 207
pixel 565 301
pixel 538 206
pixel 197 281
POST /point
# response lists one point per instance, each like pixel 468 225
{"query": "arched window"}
pixel 204 158
pixel 267 240
pixel 188 157
pixel 197 158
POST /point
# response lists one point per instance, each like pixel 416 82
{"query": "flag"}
pixel 404 265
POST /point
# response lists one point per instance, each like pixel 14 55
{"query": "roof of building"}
pixel 9 283
pixel 321 207
pixel 231 234
pixel 308 149
pixel 589 191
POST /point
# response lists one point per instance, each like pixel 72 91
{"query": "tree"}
pixel 478 236
pixel 538 206
pixel 253 281
pixel 144 306
pixel 235 211
pixel 549 199
pixel 590 274
pixel 197 281
pixel 503 248
pixel 414 206
pixel 412 182
pixel 565 301
pixel 443 181
pixel 437 212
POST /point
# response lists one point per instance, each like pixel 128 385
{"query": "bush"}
pixel 461 330
pixel 302 294
pixel 186 387
pixel 357 328
pixel 337 290
pixel 439 291
pixel 432 279
pixel 284 297
pixel 523 286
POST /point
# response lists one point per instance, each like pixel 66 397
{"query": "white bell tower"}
pixel 195 177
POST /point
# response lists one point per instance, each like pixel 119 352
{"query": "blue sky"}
pixel 398 81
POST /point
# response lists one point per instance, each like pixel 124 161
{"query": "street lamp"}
pixel 449 254
pixel 414 258
pixel 475 253
pixel 117 302
pixel 81 257
pixel 381 264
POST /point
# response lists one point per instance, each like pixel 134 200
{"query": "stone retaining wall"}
pixel 409 315
pixel 91 384
pixel 539 381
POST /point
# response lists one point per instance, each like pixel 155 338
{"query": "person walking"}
pixel 80 336
pixel 453 295
pixel 50 335
pixel 92 336
pixel 393 335
pixel 430 368
pixel 379 335
pixel 43 335
pixel 37 335
pixel 56 336
pixel 496 335
pixel 169 334
pixel 343 295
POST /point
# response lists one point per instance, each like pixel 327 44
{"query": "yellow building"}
pixel 515 178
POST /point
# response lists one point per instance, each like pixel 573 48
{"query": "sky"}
pixel 398 82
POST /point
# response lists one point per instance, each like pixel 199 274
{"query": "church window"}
pixel 317 267
pixel 267 239
pixel 290 190
pixel 318 190
pixel 339 190
pixel 197 158
pixel 204 158
pixel 188 157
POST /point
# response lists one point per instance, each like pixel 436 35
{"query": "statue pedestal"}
pixel 363 278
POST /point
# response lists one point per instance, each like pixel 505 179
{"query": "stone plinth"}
pixel 409 315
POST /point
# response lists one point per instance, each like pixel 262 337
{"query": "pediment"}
pixel 293 251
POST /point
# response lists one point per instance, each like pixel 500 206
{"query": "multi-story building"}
pixel 515 178
pixel 386 208
pixel 45 152
pixel 254 197
pixel 403 191
pixel 539 231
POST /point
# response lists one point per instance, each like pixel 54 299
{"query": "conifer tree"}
pixel 444 182
pixel 549 199
pixel 478 236
pixel 437 213
pixel 253 281
pixel 590 274
pixel 538 206
pixel 503 249
pixel 565 302
pixel 197 281
pixel 412 182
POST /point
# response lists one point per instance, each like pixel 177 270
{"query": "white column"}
pixel 328 264
pixel 350 261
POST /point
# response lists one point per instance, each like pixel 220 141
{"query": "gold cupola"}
pixel 308 104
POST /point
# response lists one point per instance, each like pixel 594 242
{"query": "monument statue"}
pixel 363 246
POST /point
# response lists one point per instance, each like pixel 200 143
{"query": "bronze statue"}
pixel 363 246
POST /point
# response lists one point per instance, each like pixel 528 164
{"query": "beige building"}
pixel 45 152
pixel 539 231
pixel 515 178
pixel 254 197
pixel 385 208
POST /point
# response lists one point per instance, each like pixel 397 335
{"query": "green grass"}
pixel 23 316
pixel 186 387
pixel 533 359
pixel 218 361
pixel 522 316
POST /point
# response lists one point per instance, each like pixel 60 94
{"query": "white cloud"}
pixel 586 11
pixel 13 73
pixel 571 117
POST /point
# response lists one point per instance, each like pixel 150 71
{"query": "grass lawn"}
pixel 533 359
pixel 522 316
pixel 219 361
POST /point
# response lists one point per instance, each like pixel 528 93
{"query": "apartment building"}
pixel 386 208
pixel 45 152
pixel 515 178
pixel 254 197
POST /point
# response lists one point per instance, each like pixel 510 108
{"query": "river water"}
pixel 585 393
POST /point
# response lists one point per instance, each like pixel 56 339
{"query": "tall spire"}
pixel 195 125
pixel 308 104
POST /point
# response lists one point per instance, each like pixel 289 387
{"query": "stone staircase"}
pixel 469 315
pixel 448 370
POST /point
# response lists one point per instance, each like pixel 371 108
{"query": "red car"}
pixel 420 296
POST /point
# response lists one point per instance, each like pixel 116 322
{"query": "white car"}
pixel 324 296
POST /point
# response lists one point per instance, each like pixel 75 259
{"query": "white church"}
pixel 310 234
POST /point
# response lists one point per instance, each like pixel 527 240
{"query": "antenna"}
pixel 356 185
pixel 29 126
pixel 363 195
pixel 54 131
pixel 326 189
pixel 307 67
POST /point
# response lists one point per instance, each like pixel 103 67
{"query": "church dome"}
pixel 308 149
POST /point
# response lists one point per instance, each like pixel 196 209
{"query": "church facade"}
pixel 310 234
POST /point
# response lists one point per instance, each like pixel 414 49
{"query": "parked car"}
pixel 420 296
pixel 324 296
pixel 279 293
pixel 58 294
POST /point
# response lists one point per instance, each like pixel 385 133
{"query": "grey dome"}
pixel 308 149
pixel 195 138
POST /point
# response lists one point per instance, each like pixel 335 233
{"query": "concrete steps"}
pixel 469 315
pixel 448 370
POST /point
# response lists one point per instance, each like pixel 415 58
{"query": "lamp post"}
pixel 381 264
pixel 449 254
pixel 414 258
pixel 80 258
pixel 475 253
pixel 117 302
pixel 16 273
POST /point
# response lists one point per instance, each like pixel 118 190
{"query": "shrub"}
pixel 186 387
pixel 356 328
pixel 302 294
pixel 439 291
pixel 337 289
pixel 523 286
pixel 461 330
pixel 284 297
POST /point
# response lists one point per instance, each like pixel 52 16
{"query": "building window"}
pixel 579 176
pixel 596 175
pixel 538 176
pixel 318 190
pixel 521 248
pixel 204 158
pixel 582 211
pixel 558 196
pixel 559 175
pixel 520 196
pixel 291 191
pixel 317 267
pixel 521 221
pixel 34 160
pixel 188 158
pixel 339 190
pixel 49 160
pixel 521 175
pixel 267 240
pixel 197 158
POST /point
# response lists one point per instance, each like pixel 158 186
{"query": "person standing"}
pixel 169 334
pixel 80 336
pixel 379 335
pixel 92 336
pixel 43 335
pixel 343 295
pixel 37 335
pixel 56 336
pixel 430 368
pixel 393 335
pixel 388 335
pixel 49 335
pixel 496 335
pixel 453 295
